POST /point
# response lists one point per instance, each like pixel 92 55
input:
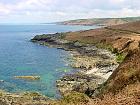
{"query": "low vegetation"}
pixel 100 21
pixel 120 57
pixel 73 98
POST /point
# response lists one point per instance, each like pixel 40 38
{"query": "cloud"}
pixel 117 1
pixel 4 9
pixel 59 10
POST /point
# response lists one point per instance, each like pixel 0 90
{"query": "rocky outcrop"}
pixel 28 77
pixel 79 82
pixel 27 98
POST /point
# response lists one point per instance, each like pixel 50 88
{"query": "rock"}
pixel 28 77
pixel 85 62
pixel 87 58
pixel 78 82
pixel 78 44
pixel 26 98
pixel 1 81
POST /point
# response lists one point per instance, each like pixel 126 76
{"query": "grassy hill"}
pixel 100 21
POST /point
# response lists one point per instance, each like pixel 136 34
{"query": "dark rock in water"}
pixel 1 81
pixel 79 82
pixel 28 77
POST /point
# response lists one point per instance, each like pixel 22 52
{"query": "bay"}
pixel 19 57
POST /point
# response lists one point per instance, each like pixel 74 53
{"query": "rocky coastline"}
pixel 104 78
pixel 95 64
pixel 25 98
pixel 101 77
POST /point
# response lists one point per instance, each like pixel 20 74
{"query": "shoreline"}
pixel 87 58
pixel 86 80
pixel 125 80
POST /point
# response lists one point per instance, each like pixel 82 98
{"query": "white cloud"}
pixel 59 10
pixel 4 9
pixel 117 1
pixel 32 4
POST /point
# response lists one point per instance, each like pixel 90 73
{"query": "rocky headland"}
pixel 95 64
pixel 99 53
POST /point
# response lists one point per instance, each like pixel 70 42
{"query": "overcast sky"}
pixel 38 11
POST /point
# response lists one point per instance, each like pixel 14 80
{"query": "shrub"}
pixel 120 57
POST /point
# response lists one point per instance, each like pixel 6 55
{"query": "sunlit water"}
pixel 19 56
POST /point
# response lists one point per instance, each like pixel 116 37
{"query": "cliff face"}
pixel 127 73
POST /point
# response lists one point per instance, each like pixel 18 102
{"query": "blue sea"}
pixel 20 57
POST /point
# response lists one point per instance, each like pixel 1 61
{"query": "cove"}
pixel 19 56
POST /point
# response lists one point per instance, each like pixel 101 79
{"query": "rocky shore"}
pixel 26 98
pixel 107 78
pixel 95 64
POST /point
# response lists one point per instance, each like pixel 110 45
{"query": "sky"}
pixel 45 11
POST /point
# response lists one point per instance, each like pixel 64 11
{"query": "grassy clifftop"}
pixel 119 38
pixel 101 21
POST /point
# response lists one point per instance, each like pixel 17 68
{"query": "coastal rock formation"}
pixel 1 81
pixel 28 77
pixel 27 98
pixel 94 71
pixel 85 57
pixel 79 82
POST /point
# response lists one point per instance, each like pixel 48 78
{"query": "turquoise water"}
pixel 19 56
